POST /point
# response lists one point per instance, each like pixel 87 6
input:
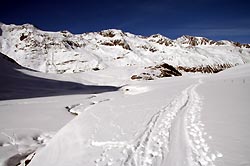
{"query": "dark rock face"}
pixel 195 41
pixel 122 43
pixel 192 41
pixel 237 44
pixel 152 49
pixel 158 71
pixel 107 34
pixel 157 38
pixel 206 69
pixel 23 37
pixel 135 77
pixel 71 44
pixel 166 70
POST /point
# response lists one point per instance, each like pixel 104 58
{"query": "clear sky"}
pixel 215 19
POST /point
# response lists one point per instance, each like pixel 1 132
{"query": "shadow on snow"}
pixel 15 84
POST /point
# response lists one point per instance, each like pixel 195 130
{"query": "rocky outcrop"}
pixel 206 68
pixel 195 41
pixel 71 44
pixel 157 38
pixel 158 71
pixel 117 42
pixel 166 70
pixel 107 33
pixel 237 44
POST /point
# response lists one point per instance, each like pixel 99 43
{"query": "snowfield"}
pixel 190 120
pixel 95 114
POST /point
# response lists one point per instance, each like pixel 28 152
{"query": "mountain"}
pixel 64 52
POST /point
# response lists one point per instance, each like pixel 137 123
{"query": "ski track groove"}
pixel 172 137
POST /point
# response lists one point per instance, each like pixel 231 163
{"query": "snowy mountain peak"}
pixel 12 27
pixel 111 33
pixel 158 38
pixel 66 33
pixel 195 41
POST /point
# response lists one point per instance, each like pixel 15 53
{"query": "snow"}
pixel 32 108
pixel 174 121
pixel 226 115
pixel 103 117
pixel 190 120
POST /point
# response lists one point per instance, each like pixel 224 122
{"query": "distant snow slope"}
pixel 60 52
pixel 195 120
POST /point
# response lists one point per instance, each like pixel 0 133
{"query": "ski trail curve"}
pixel 172 137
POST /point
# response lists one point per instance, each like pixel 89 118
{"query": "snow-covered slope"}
pixel 181 121
pixel 32 107
pixel 60 52
pixel 17 83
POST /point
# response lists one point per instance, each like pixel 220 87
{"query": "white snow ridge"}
pixel 112 98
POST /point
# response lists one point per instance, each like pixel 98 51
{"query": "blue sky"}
pixel 215 19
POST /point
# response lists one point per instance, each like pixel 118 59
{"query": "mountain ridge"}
pixel 64 52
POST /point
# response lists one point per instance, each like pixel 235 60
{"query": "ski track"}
pixel 172 137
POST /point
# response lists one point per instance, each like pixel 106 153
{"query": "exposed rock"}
pixel 71 44
pixel 153 49
pixel 96 69
pixel 157 38
pixel 206 69
pixel 195 41
pixel 107 33
pixel 166 70
pixel 169 69
pixel 23 37
pixel 158 71
pixel 245 45
pixel 118 42
pixel 135 77
pixel 119 57
pixel 237 44
pixel 219 43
